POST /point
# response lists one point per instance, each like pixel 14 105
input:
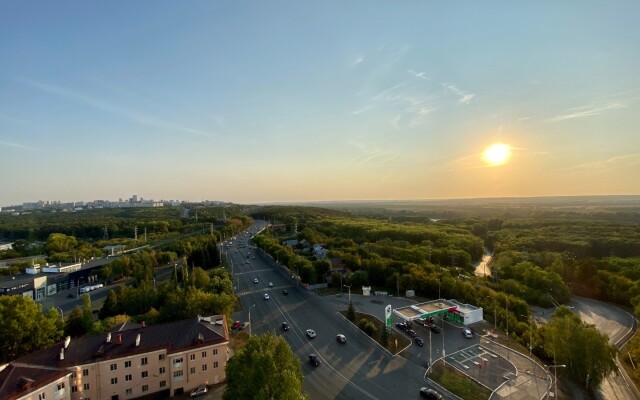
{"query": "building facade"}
pixel 156 361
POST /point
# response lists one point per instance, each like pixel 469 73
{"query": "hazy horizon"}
pixel 288 102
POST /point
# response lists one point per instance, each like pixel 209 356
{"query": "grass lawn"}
pixel 457 383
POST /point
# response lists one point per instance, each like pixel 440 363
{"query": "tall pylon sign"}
pixel 387 315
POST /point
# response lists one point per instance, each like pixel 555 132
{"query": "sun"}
pixel 497 154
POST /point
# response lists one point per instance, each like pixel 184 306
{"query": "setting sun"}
pixel 497 154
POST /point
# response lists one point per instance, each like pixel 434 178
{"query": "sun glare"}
pixel 497 154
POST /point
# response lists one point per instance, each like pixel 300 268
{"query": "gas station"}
pixel 449 310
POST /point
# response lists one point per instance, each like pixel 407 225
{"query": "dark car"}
pixel 314 360
pixel 411 332
pixel 71 295
pixel 285 326
pixel 285 292
pixel 401 325
pixel 430 394
pixel 419 342
pixel 434 328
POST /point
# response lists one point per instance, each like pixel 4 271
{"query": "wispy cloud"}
pixel 625 161
pixel 421 75
pixel 137 117
pixel 588 111
pixel 368 154
pixel 16 145
pixel 463 97
pixel 359 59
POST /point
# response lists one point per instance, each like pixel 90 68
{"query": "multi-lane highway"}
pixel 358 369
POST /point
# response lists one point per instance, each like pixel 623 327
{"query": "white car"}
pixel 467 333
pixel 270 284
pixel 311 333
pixel 255 280
pixel 266 296
pixel 341 338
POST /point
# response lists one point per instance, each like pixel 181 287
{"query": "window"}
pixel 163 383
pixel 85 372
pixel 204 354
pixel 41 396
pixel 215 352
pixel 161 357
pixel 128 378
pixel 145 388
pixel 114 367
pixel 145 374
pixel 114 381
pixel 215 364
pixel 73 375
pixel 204 367
pixel 177 374
pixel 192 370
pixel 192 357
pixel 127 364
pixel 161 370
pixel 85 386
pixel 129 391
pixel 60 386
pixel 144 361
pixel 74 389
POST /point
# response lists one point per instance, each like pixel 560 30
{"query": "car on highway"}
pixel 411 332
pixel 266 296
pixel 314 360
pixel 199 391
pixel 285 326
pixel 270 284
pixel 419 341
pixel 255 280
pixel 311 333
pixel 285 292
pixel 341 338
pixel 434 328
pixel 467 333
pixel 430 394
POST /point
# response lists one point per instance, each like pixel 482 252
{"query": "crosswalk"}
pixel 262 290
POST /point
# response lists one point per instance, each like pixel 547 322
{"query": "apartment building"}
pixel 151 361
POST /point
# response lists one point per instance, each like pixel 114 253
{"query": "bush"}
pixel 367 327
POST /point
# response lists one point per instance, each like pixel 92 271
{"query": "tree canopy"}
pixel 265 369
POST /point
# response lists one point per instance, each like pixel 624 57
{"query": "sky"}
pixel 281 101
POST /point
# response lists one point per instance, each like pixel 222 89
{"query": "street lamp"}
pixel 61 314
pixel 250 318
pixel 555 377
pixel 348 287
pixel 530 331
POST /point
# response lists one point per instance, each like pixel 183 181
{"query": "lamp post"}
pixel 61 314
pixel 555 377
pixel 349 287
pixel 530 330
pixel 250 319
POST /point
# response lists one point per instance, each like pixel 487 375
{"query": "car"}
pixel 419 341
pixel 270 284
pixel 255 280
pixel 285 326
pixel 341 338
pixel 430 394
pixel 434 328
pixel 199 391
pixel 411 332
pixel 71 295
pixel 314 360
pixel 236 325
pixel 285 292
pixel 311 333
pixel 401 325
pixel 266 296
pixel 467 333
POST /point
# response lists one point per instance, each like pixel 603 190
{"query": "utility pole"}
pixel 398 284
pixel 250 319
